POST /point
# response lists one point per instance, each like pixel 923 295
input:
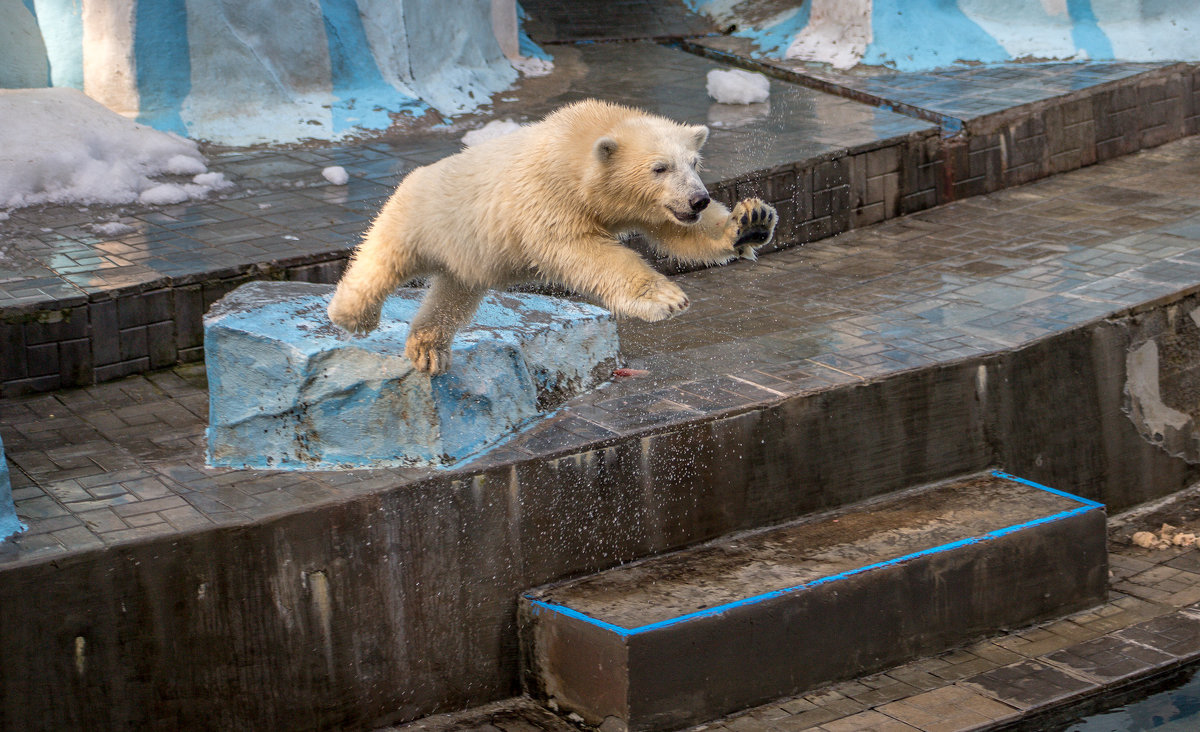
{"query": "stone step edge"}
pixel 1096 696
pixel 1086 504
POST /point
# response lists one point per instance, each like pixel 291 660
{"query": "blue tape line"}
pixel 1088 505
pixel 1048 489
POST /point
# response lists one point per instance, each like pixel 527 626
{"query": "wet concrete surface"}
pixel 680 639
pixel 734 569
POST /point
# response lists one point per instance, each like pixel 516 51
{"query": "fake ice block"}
pixel 289 390
pixel 9 524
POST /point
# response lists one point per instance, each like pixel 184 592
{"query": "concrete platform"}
pixel 687 637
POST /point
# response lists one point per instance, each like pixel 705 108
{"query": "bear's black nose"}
pixel 699 203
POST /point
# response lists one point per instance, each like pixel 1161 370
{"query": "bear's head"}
pixel 648 169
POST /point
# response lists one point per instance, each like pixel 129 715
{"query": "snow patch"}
pixel 111 228
pixel 213 181
pixel 735 86
pixel 61 147
pixel 490 131
pixel 185 165
pixel 336 175
pixel 533 66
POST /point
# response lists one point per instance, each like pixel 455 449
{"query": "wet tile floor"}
pixel 960 280
pixel 284 213
pixel 959 94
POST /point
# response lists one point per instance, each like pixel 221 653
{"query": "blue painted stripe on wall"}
pixel 61 23
pixel 164 65
pixel 363 97
pixel 1086 31
pixel 924 34
pixel 1088 505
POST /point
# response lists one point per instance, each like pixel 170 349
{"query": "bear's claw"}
pixel 427 353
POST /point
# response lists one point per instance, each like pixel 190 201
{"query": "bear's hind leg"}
pixel 375 271
pixel 449 306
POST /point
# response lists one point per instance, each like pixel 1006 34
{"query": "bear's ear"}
pixel 605 148
pixel 699 135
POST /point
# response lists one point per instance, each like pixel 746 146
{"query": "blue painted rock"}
pixel 9 524
pixel 289 390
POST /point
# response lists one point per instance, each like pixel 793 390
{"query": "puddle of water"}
pixel 1170 710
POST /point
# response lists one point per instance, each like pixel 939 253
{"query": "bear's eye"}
pixel 659 168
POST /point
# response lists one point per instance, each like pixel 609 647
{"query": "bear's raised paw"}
pixel 755 220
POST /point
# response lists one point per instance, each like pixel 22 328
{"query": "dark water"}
pixel 1169 710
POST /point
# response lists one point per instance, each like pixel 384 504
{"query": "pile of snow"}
pixel 58 146
pixel 336 175
pixel 495 128
pixel 738 87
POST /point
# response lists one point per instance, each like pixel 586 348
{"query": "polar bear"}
pixel 547 202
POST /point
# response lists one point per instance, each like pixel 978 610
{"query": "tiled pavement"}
pixel 124 460
pixel 951 96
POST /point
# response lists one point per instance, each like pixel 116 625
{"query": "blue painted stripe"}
pixel 1048 489
pixel 1088 505
pixel 1086 32
pixel 163 63
pixel 564 610
pixel 61 23
pixel 363 98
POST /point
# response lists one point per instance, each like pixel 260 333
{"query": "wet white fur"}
pixel 549 202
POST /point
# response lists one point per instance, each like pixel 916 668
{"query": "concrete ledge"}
pixel 288 390
pixel 687 637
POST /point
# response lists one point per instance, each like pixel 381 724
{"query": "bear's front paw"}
pixel 660 301
pixel 755 221
pixel 428 352
pixel 350 318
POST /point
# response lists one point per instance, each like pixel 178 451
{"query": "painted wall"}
pixel 913 35
pixel 249 71
pixel 23 60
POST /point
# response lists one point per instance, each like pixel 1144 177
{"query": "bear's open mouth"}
pixel 689 217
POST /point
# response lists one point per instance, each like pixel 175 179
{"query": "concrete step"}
pixel 690 636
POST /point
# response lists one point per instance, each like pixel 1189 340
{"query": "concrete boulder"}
pixel 289 390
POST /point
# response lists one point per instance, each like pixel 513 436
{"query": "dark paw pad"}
pixel 755 225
